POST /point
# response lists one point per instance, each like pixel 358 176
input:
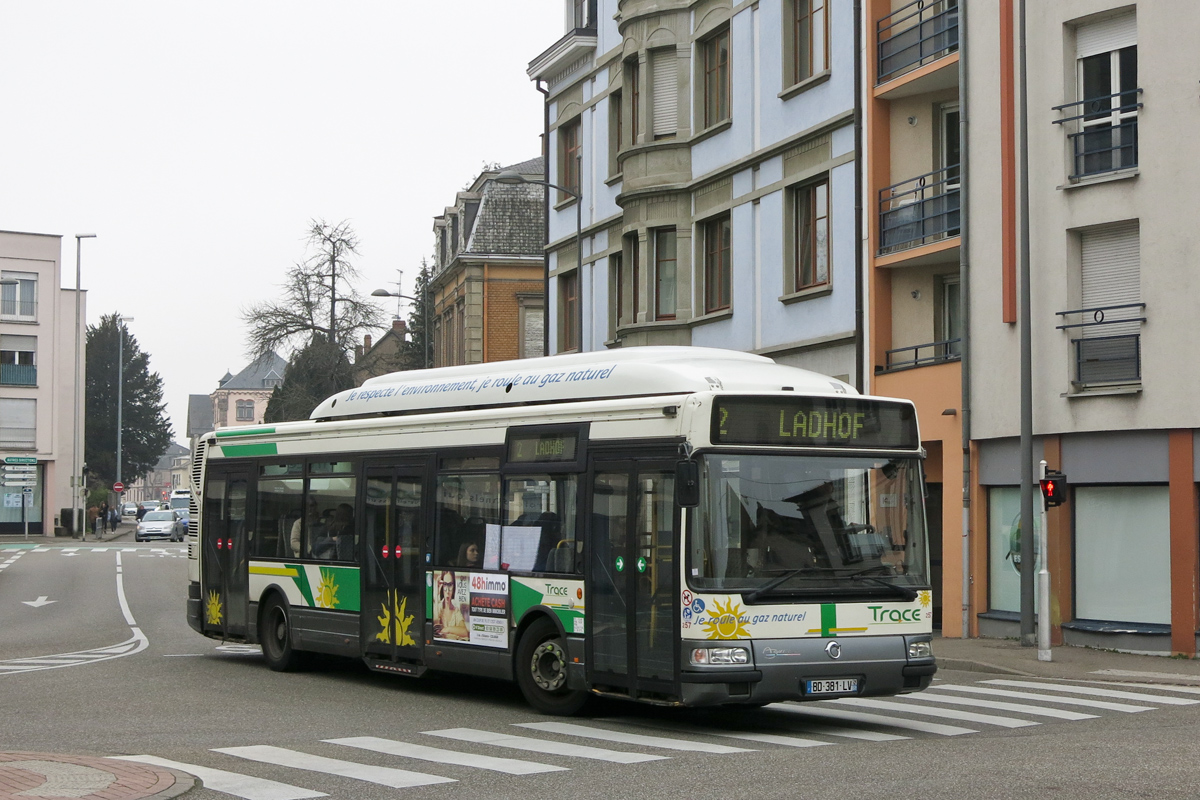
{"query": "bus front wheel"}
pixel 276 637
pixel 542 671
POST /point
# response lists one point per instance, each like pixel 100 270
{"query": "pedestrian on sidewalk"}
pixel 114 517
pixel 93 514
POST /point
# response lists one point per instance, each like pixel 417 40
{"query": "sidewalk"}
pixel 1008 657
pixel 24 775
pixel 126 526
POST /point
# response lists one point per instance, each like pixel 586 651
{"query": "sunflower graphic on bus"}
pixel 725 622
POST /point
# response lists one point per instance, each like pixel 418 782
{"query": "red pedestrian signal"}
pixel 1054 489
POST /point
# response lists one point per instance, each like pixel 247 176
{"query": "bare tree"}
pixel 318 297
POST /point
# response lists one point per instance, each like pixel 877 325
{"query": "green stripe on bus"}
pixel 265 449
pixel 244 432
pixel 828 619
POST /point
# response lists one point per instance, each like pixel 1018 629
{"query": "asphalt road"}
pixel 106 665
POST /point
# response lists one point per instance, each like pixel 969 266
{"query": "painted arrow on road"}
pixel 41 601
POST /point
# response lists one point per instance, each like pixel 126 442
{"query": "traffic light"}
pixel 1054 488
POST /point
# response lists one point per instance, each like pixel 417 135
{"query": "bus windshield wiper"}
pixel 908 592
pixel 750 597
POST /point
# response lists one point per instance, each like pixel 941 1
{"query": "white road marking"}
pixel 1130 673
pixel 542 746
pixel 808 709
pixel 231 782
pixel 933 711
pixel 385 776
pixel 773 738
pixel 1096 692
pixel 41 601
pixel 588 732
pixel 999 705
pixel 511 766
pixel 1046 698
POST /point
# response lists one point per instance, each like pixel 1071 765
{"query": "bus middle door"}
pixel 393 590
pixel 632 624
pixel 225 530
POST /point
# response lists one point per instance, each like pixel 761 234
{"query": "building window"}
pixel 950 326
pixel 617 281
pixel 615 134
pixel 664 273
pixel 1123 553
pixel 18 300
pixel 532 324
pixel 570 153
pixel 1105 120
pixel 635 277
pixel 18 423
pixel 810 37
pixel 568 295
pixel 716 79
pixel 664 69
pixel 18 360
pixel 244 411
pixel 460 335
pixel 717 267
pixel 1106 329
pixel 811 205
pixel 580 16
pixel 633 74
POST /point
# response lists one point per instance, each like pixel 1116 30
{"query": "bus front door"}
pixel 225 576
pixel 393 570
pixel 632 622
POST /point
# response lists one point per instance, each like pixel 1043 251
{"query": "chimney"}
pixel 367 343
pixel 399 327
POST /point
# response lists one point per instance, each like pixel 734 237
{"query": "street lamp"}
pixel 425 305
pixel 510 177
pixel 77 389
pixel 120 385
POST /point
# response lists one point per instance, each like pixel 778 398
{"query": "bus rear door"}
pixel 224 582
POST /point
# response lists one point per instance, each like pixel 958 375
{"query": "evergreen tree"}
pixel 145 431
pixel 418 324
pixel 316 371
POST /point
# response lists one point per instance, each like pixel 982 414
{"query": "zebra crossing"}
pixel 9 554
pixel 550 746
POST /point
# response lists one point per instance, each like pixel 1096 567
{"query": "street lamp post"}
pixel 424 301
pixel 510 177
pixel 120 386
pixel 77 389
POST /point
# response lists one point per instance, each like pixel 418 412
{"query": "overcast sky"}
pixel 197 140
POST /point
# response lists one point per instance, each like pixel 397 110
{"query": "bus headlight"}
pixel 720 655
pixel 922 649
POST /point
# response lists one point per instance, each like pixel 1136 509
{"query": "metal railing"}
pixel 18 308
pixel 18 375
pixel 915 35
pixel 1111 356
pixel 1107 138
pixel 919 211
pixel 921 355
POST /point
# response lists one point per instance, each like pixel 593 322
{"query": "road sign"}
pixel 19 460
pixel 118 487
pixel 11 468
pixel 11 482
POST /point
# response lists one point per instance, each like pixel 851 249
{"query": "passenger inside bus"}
pixel 469 556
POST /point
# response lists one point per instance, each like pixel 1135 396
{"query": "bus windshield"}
pixel 785 525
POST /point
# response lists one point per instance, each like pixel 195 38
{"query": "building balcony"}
pixel 920 355
pixel 919 211
pixel 576 44
pixel 912 38
pixel 1107 345
pixel 1103 133
pixel 18 375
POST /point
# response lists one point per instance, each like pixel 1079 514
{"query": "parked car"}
pixel 129 510
pixel 162 524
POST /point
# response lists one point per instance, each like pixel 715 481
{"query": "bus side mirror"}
pixel 687 484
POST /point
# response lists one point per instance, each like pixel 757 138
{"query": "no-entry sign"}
pixel 118 487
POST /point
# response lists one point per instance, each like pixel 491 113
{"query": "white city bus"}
pixel 672 525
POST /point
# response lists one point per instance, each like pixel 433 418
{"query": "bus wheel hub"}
pixel 548 667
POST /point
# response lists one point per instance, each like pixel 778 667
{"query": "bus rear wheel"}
pixel 276 636
pixel 542 671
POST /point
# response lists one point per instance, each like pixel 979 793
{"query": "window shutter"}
pixel 664 72
pixel 1111 273
pixel 1106 35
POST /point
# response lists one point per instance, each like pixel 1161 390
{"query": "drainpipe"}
pixel 545 90
pixel 860 359
pixel 964 304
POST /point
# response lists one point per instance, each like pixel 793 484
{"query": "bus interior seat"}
pixel 562 557
pixel 549 539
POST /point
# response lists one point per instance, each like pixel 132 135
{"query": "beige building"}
pixel 242 399
pixel 39 386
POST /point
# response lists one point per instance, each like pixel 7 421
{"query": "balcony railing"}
pixel 17 438
pixel 1106 135
pixel 922 355
pixel 912 36
pixel 1107 351
pixel 919 211
pixel 18 308
pixel 18 375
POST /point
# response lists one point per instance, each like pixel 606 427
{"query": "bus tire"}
pixel 542 671
pixel 276 636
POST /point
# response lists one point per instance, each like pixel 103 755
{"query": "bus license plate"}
pixel 831 686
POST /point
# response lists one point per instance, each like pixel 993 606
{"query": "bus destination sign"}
pixel 814 422
pixel 541 448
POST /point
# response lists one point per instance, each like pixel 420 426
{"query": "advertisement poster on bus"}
pixel 471 608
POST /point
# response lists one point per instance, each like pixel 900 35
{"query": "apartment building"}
pixel 241 399
pixel 487 284
pixel 704 154
pixel 40 387
pixel 1113 263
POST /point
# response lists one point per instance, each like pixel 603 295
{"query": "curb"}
pixel 979 666
pixel 26 774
